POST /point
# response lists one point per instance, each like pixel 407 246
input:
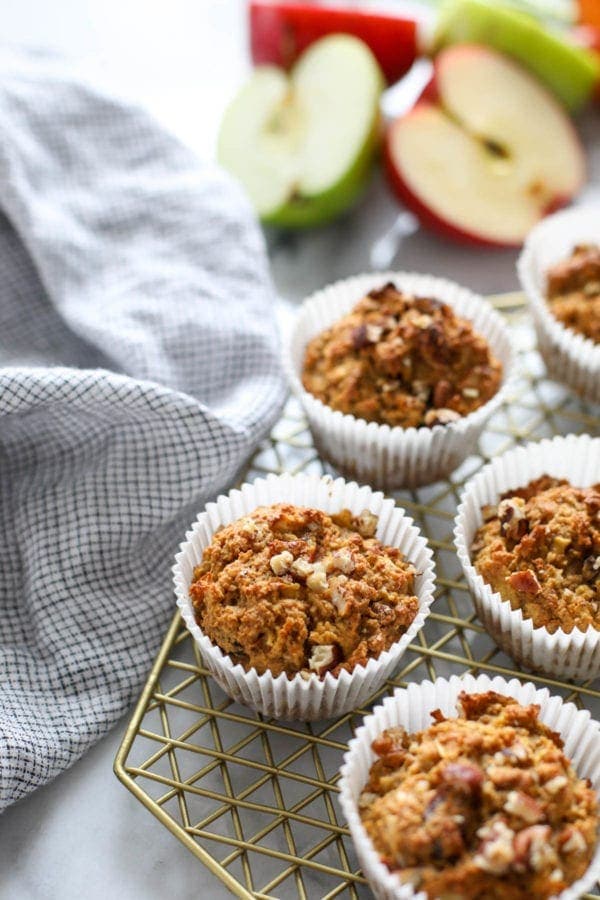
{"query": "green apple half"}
pixel 302 144
pixel 569 71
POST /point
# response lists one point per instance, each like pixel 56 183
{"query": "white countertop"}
pixel 84 835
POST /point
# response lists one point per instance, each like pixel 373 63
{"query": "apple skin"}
pixel 280 31
pixel 568 70
pixel 427 217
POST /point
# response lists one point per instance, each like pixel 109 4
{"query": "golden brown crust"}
pixel 574 291
pixel 401 360
pixel 484 806
pixel 540 549
pixel 291 589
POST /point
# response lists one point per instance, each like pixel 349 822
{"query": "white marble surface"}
pixel 84 837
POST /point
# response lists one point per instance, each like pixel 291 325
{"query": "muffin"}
pixel 480 805
pixel 397 374
pixel 559 271
pixel 463 768
pixel 302 593
pixel 401 360
pixel 527 534
pixel 539 548
pixel 292 589
pixel 574 291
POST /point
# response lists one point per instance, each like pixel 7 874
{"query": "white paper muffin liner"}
pixel 576 458
pixel 411 708
pixel 570 358
pixel 379 454
pixel 297 698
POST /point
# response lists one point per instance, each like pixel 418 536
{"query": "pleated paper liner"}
pixel 297 698
pixel 576 458
pixel 570 358
pixel 411 708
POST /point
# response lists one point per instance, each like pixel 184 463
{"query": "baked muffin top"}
pixel 540 549
pixel 484 806
pixel 291 589
pixel 574 291
pixel 401 360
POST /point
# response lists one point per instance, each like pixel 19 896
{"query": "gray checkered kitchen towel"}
pixel 139 369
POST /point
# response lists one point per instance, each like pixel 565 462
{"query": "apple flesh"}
pixel 570 71
pixel 302 145
pixel 280 31
pixel 486 152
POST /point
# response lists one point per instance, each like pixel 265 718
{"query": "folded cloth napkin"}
pixel 139 370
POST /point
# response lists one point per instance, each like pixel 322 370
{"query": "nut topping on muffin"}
pixel 452 822
pixel 540 549
pixel 401 360
pixel 574 291
pixel 292 589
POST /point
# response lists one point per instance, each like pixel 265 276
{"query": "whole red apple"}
pixel 280 31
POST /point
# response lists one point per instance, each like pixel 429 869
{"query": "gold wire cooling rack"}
pixel 255 799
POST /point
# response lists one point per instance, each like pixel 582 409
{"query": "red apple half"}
pixel 280 31
pixel 486 152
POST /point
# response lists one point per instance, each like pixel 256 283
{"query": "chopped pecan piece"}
pixel 324 657
pixel 374 332
pixel 390 746
pixel 463 777
pixel 379 293
pixel 442 393
pixel 359 337
pixel 592 501
pixel 440 417
pixel 495 853
pixel 516 751
pixel 342 560
pixel 590 569
pixel 505 777
pixel 524 807
pixel 339 597
pixel 281 562
pixel 366 799
pixel 421 390
pixel 525 582
pixel 574 841
pixel 365 335
pixel 489 512
pixel 317 580
pixel 532 849
pixel 385 614
pixel 422 320
pixel 302 567
pixel 513 522
pixel 367 523
pixel 556 784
